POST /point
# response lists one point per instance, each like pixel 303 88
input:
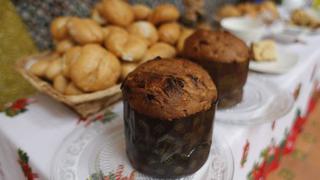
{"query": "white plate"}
pixel 262 102
pixel 282 64
pixel 100 149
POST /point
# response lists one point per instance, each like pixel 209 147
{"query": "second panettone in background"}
pixel 225 57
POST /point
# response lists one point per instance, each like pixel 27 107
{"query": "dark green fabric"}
pixel 14 43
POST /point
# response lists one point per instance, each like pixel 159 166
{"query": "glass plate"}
pixel 98 150
pixel 262 102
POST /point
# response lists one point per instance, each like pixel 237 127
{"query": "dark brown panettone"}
pixel 225 57
pixel 169 107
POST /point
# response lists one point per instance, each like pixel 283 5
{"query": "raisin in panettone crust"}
pixel 169 89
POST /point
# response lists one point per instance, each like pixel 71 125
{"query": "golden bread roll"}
pixel 96 15
pixel 72 89
pixel 117 12
pixel 54 69
pixel 160 49
pixel 96 69
pixel 106 30
pixel 141 12
pixel 164 13
pixel 169 33
pixel 59 29
pixel 228 11
pixel 127 68
pixel 39 68
pixel 84 31
pixel 144 29
pixel 185 33
pixel 60 83
pixel 270 7
pixel 248 9
pixel 70 57
pixel 64 45
pixel 126 46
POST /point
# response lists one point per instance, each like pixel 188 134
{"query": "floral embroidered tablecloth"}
pixel 38 125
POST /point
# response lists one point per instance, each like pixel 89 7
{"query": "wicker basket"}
pixel 85 105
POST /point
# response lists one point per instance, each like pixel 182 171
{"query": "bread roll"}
pixel 39 68
pixel 264 50
pixel 84 31
pixel 127 68
pixel 64 45
pixel 59 29
pixel 141 12
pixel 106 30
pixel 162 50
pixel 60 83
pixel 228 11
pixel 96 15
pixel 169 33
pixel 144 29
pixel 117 12
pixel 96 69
pixel 185 33
pixel 71 56
pixel 126 46
pixel 164 13
pixel 71 89
pixel 54 68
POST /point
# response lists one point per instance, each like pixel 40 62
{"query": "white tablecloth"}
pixel 42 128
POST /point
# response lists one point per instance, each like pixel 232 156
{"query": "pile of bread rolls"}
pixel 93 54
pixel 267 8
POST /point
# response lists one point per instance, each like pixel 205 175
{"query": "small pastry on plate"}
pixel 302 18
pixel 264 50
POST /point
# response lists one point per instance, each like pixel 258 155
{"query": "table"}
pixel 40 124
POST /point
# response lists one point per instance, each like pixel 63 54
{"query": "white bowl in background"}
pixel 247 29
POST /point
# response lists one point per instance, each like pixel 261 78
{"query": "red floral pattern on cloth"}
pixel 17 107
pixel 245 154
pixel 24 164
pixel 117 175
pixel 104 118
pixel 271 156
